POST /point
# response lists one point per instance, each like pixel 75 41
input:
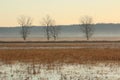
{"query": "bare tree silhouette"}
pixel 51 30
pixel 55 30
pixel 25 22
pixel 87 26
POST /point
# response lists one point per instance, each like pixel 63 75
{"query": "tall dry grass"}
pixel 60 55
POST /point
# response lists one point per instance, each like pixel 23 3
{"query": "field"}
pixel 86 61
pixel 60 55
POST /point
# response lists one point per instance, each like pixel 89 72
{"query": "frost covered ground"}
pixel 30 71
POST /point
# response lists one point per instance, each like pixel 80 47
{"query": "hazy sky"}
pixel 63 11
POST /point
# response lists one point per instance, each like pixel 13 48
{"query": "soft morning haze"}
pixel 63 11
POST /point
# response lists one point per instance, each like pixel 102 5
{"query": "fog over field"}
pixel 106 31
pixel 102 31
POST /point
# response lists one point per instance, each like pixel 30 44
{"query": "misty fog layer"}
pixel 67 31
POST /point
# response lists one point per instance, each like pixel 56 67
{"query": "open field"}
pixel 61 55
pixel 23 71
pixel 59 43
pixel 60 64
pixel 91 52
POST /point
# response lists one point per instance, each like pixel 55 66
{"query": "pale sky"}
pixel 63 11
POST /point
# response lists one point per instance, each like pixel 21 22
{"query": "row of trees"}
pixel 51 30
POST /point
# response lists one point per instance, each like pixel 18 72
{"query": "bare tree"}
pixel 87 26
pixel 55 30
pixel 51 30
pixel 25 22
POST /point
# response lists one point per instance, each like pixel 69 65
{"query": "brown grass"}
pixel 60 55
pixel 39 44
pixel 56 44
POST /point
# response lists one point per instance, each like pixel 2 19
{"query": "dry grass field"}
pixel 60 55
pixel 99 63
pixel 60 43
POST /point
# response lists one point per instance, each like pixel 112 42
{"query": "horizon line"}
pixel 63 24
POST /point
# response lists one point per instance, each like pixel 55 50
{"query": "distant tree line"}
pixel 51 30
